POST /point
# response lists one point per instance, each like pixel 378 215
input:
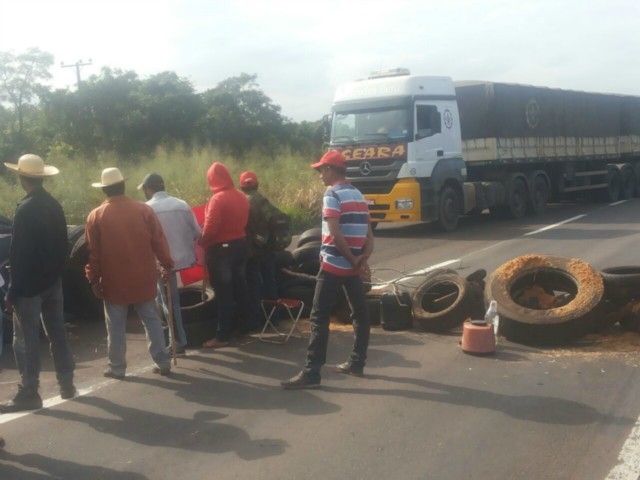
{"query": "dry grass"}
pixel 286 180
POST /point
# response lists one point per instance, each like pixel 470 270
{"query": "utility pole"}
pixel 77 65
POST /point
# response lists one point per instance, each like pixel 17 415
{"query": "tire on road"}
pixel 311 235
pixel 621 284
pixel 443 301
pixel 198 316
pixel 570 283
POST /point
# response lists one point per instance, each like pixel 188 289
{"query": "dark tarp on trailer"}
pixel 492 110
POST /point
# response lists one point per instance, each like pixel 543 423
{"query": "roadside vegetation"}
pixel 155 124
pixel 286 180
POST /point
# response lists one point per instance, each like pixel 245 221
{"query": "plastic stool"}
pixel 478 339
pixel 290 306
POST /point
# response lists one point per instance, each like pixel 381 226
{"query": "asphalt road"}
pixel 424 409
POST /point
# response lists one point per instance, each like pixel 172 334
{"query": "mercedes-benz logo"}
pixel 365 168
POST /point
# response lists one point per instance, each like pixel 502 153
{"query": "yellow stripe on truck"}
pixel 382 208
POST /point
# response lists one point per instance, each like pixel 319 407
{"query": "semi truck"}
pixel 426 148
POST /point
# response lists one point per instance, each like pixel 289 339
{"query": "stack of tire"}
pixel 297 269
pixel 79 299
pixel 199 311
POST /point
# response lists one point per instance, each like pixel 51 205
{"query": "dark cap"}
pixel 152 181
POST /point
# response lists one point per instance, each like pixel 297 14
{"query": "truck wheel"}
pixel 544 299
pixel 448 209
pixel 628 182
pixel 539 196
pixel 518 198
pixel 614 185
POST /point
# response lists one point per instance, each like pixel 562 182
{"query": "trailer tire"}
pixel 628 182
pixel 539 195
pixel 438 316
pixel 517 198
pixel 311 235
pixel 552 326
pixel 449 207
pixel 614 185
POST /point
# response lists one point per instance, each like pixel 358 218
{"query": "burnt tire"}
pixel 551 326
pixel 283 259
pixel 311 235
pixel 309 251
pixel 198 316
pixel 442 302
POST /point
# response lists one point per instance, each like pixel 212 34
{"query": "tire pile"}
pixel 543 300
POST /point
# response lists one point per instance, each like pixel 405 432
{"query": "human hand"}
pixel 365 272
pixel 165 274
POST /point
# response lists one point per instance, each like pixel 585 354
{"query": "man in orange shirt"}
pixel 125 238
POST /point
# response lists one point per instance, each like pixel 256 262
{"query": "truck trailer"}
pixel 426 148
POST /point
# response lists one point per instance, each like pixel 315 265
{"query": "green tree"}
pixel 20 77
pixel 240 117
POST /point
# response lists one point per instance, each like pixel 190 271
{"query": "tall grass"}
pixel 286 180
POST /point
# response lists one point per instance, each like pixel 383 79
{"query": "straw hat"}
pixel 110 176
pixel 30 165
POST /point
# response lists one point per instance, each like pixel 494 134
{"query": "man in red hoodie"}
pixel 223 238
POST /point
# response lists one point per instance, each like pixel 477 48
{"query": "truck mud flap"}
pixel 546 300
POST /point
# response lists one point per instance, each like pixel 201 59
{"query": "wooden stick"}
pixel 172 331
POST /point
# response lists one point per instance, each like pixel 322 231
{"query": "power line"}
pixel 77 66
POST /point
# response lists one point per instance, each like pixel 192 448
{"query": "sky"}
pixel 302 50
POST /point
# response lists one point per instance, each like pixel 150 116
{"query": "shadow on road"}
pixel 23 466
pixel 202 433
pixel 534 408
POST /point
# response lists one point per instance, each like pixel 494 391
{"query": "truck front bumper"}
pixel 402 204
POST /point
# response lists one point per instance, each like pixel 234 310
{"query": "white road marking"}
pixel 629 458
pixel 54 401
pixel 617 203
pixel 549 227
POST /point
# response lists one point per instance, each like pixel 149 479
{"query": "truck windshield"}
pixel 371 126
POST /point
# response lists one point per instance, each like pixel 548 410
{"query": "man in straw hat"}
pixel 37 257
pixel 125 238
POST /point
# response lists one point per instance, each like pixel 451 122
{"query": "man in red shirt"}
pixel 224 240
pixel 125 238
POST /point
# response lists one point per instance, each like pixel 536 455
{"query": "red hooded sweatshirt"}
pixel 227 211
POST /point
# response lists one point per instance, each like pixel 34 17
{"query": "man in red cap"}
pixel 347 244
pixel 261 273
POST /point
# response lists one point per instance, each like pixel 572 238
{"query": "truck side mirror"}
pixel 326 126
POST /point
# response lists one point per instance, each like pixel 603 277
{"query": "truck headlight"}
pixel 404 204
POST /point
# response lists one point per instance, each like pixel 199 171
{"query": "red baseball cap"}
pixel 335 158
pixel 248 179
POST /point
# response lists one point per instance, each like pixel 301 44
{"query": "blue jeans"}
pixel 116 321
pixel 27 315
pixel 163 304
pixel 261 284
pixel 227 264
pixel 324 300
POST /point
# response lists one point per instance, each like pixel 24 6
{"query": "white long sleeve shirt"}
pixel 180 227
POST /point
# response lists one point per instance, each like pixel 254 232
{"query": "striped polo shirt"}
pixel 343 201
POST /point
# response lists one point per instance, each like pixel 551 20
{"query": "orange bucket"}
pixel 477 338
